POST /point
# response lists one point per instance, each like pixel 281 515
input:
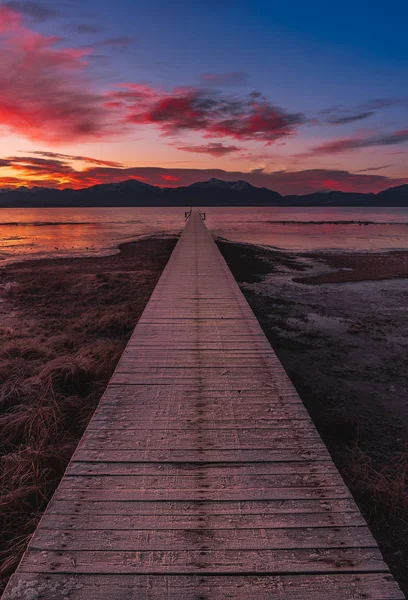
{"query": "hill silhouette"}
pixel 214 192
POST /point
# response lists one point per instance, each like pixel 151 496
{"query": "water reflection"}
pixel 31 233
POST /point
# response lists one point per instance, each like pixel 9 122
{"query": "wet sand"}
pixel 339 324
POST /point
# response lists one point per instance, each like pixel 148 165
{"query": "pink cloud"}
pixel 208 113
pixel 43 93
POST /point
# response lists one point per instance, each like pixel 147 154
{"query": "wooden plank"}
pixel 211 438
pixel 300 561
pixel 109 494
pixel 199 456
pixel 203 587
pixel 211 470
pixel 201 461
pixel 201 478
pixel 123 424
pixel 109 539
pixel 199 520
pixel 205 508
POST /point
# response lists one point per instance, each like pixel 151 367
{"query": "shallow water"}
pixel 34 233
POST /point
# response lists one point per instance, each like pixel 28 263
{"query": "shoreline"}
pixel 109 250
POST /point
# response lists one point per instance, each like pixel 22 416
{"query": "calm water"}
pixel 32 233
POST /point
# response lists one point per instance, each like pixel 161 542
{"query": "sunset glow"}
pixel 94 101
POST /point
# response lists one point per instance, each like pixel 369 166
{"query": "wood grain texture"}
pixel 201 475
pixel 368 586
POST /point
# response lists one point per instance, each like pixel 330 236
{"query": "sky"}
pixel 295 96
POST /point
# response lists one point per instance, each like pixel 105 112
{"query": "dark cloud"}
pixel 234 78
pixel 379 103
pixel 343 145
pixel 87 159
pixel 38 11
pixel 374 168
pixel 344 119
pixel 341 115
pixel 214 149
pixel 211 113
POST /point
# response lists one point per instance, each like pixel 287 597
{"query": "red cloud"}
pixel 215 149
pixel 43 95
pixel 210 113
pixel 169 178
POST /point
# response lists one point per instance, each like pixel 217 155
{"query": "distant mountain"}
pixel 130 186
pixel 333 198
pixel 397 196
pixel 214 192
pixel 212 183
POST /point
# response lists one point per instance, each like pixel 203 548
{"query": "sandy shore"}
pixel 339 324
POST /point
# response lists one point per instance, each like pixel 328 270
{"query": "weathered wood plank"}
pixel 109 494
pixel 200 456
pixel 115 521
pixel 208 438
pixel 201 538
pixel 123 424
pixel 194 587
pixel 204 507
pixel 301 561
pixel 211 470
pixel 201 478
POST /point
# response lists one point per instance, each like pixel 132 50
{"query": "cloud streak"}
pixel 87 159
pixel 216 149
pixel 346 144
pixel 344 119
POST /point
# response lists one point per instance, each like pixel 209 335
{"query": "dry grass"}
pixel 68 328
pixel 385 488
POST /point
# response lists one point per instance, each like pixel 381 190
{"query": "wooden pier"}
pixel 201 475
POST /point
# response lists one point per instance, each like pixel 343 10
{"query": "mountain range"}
pixel 213 192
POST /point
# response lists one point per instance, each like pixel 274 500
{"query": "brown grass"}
pixel 385 488
pixel 70 323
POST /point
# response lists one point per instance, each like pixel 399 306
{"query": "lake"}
pixel 35 233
